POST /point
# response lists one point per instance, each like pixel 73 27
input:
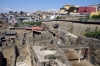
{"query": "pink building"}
pixel 87 9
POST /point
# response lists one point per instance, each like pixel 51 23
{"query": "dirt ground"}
pixel 72 54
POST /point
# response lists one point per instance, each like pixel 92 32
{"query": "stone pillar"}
pixel 87 54
pixel 79 56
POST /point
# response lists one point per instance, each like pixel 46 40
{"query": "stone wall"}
pixel 75 28
pixel 94 48
pixel 62 24
pixel 1 57
pixel 9 55
pixel 79 29
pixel 22 49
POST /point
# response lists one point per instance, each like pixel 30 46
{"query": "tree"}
pixel 57 17
pixel 71 9
pixel 16 12
pixel 11 12
pixel 1 13
pixel 96 16
pixel 5 13
pixel 21 19
pixel 21 13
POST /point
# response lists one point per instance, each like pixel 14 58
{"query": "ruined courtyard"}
pixel 48 47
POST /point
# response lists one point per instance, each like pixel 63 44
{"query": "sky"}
pixel 34 5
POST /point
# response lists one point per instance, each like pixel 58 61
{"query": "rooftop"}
pixel 10 33
pixel 35 28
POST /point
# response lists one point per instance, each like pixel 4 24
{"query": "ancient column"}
pixel 79 56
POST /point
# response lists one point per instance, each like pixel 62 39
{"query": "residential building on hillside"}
pixel 94 6
pixel 98 7
pixel 94 13
pixel 64 9
pixel 67 6
pixel 86 10
pixel 29 14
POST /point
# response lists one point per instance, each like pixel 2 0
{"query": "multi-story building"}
pixel 94 6
pixel 98 7
pixel 86 10
pixel 67 6
pixel 64 9
pixel 94 13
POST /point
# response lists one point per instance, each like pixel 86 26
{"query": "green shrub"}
pixel 58 17
pixel 95 17
pixel 33 23
pixel 17 25
pixel 81 19
pixel 93 34
pixel 52 57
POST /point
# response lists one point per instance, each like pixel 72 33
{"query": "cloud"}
pixel 51 9
pixel 6 9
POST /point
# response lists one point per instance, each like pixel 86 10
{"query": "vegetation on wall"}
pixel 83 19
pixel 21 19
pixel 58 17
pixel 17 25
pixel 52 57
pixel 95 34
pixel 33 23
pixel 95 17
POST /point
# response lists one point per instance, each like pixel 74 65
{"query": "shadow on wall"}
pixel 3 61
pixel 17 52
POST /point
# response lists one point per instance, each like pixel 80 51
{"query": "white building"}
pixel 11 19
pixel 29 14
pixel 28 20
